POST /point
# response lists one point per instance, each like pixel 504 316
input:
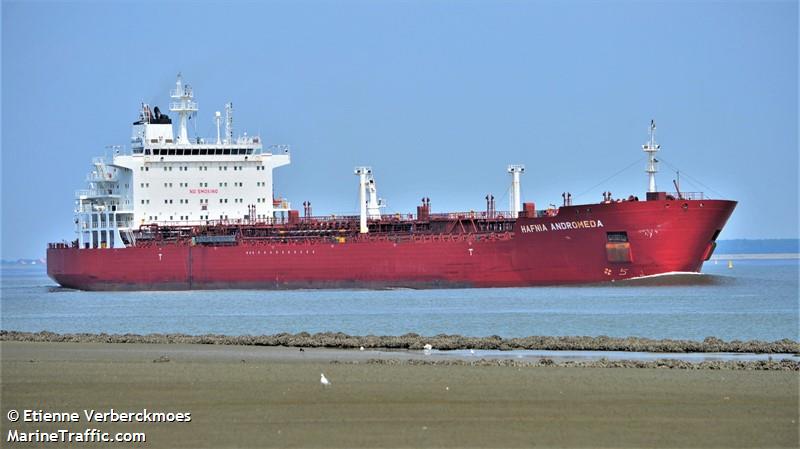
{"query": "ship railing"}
pixel 185 90
pixel 85 192
pixel 95 193
pixel 248 142
pixel 401 217
pixel 388 218
pixel 97 177
pixel 94 224
pixel 331 218
pixel 211 142
pixel 188 105
pixel 89 208
pixel 206 143
pixel 482 214
pixel 689 195
pixel 255 221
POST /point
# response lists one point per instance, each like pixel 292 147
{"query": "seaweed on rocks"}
pixel 414 341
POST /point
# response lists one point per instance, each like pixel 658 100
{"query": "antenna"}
pixel 229 123
pixel 651 148
pixel 218 119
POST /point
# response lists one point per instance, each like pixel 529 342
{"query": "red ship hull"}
pixel 575 246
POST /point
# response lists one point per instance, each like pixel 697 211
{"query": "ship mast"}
pixel 362 173
pixel 651 148
pixel 229 123
pixel 515 199
pixel 184 106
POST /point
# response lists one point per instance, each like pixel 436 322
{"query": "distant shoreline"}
pixel 757 256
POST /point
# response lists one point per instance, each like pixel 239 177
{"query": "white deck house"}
pixel 169 181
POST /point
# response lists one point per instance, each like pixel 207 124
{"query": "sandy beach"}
pixel 250 396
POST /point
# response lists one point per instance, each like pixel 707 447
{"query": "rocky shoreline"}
pixel 413 341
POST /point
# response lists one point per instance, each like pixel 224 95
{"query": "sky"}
pixel 437 96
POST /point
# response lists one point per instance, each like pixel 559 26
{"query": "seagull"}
pixel 427 349
pixel 361 348
pixel 324 380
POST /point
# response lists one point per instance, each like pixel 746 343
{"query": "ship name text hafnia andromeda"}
pixel 180 213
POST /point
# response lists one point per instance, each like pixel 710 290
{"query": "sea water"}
pixel 756 299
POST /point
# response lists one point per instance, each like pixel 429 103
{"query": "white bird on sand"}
pixel 324 380
pixel 427 349
pixel 361 348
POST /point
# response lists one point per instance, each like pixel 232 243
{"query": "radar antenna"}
pixel 184 106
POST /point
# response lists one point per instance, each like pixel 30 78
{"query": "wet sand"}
pixel 252 396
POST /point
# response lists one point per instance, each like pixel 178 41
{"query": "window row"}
pixel 202 184
pixel 197 151
pixel 205 201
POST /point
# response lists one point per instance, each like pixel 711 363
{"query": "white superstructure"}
pixel 183 181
